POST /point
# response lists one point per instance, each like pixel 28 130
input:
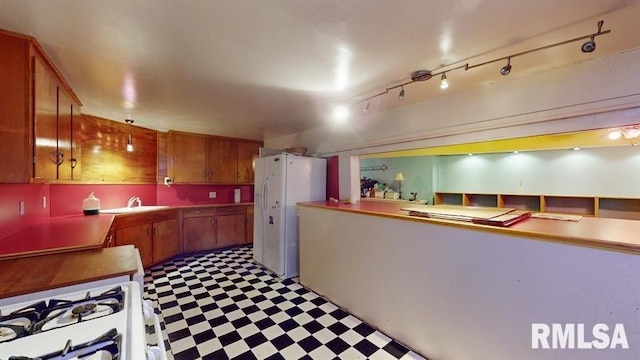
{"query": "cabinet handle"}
pixel 57 157
pixel 198 212
pixel 74 162
pixel 210 173
pixel 204 174
pixel 153 231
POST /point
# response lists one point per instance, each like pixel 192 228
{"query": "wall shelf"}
pixel 596 206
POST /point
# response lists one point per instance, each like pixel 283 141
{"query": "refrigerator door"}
pixel 274 198
pixel 259 210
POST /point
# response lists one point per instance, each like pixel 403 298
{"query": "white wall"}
pixel 613 171
pixel 576 97
pixel 457 293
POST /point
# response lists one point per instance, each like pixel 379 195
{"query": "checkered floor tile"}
pixel 222 305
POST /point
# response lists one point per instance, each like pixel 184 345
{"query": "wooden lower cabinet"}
pixel 165 238
pixel 140 237
pixel 249 238
pixel 198 233
pixel 155 234
pixel 208 228
pixel 231 230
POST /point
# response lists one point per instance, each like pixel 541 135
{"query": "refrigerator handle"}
pixel 263 206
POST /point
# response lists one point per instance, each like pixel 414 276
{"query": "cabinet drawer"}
pixel 198 212
pixel 232 210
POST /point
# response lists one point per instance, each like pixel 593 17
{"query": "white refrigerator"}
pixel 281 181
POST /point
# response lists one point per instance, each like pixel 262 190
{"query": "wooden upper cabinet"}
pixel 76 139
pixel 64 136
pixel 222 160
pixel 15 109
pixel 30 89
pixel 187 157
pixel 104 154
pixel 195 158
pixel 45 127
pixel 247 153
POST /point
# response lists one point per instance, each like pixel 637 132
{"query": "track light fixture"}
pixel 423 75
pixel 443 81
pixel 590 46
pixel 129 139
pixel 507 68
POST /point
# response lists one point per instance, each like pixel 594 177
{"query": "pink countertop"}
pixel 58 234
pixel 604 233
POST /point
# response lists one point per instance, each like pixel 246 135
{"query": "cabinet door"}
pixel 76 142
pixel 140 237
pixel 198 233
pixel 222 161
pixel 188 157
pixel 64 135
pixel 231 230
pixel 15 69
pixel 249 237
pixel 247 153
pixel 45 122
pixel 166 240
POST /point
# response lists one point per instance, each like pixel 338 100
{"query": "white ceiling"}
pixel 263 68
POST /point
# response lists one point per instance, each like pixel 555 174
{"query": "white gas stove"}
pixel 102 322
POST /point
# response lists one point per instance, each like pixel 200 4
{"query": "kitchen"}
pixel 115 180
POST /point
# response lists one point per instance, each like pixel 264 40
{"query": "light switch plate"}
pixel 212 194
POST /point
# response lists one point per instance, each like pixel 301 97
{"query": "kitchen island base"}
pixel 465 292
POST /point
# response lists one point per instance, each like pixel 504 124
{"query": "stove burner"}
pixel 83 310
pixel 55 313
pixel 105 347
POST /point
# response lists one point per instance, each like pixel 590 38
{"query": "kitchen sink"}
pixel 134 209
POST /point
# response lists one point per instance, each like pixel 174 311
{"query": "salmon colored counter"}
pixel 55 235
pixel 605 233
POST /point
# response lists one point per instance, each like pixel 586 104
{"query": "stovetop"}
pixel 98 323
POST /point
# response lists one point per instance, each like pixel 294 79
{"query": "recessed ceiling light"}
pixel 340 113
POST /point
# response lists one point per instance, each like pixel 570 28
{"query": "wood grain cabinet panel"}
pixel 31 117
pixel 104 155
pixel 166 240
pixel 15 114
pixel 187 158
pixel 222 160
pixel 196 159
pixel 199 233
pixel 249 237
pixel 231 226
pixel 155 234
pixel 46 155
pixel 247 153
pixel 140 237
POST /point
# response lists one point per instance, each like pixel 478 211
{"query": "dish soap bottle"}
pixel 91 205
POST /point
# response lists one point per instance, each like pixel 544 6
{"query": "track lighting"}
pixel 129 139
pixel 443 81
pixel 423 75
pixel 590 46
pixel 507 68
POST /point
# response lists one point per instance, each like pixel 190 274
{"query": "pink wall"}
pixel 199 194
pixel 66 199
pixel 10 195
pixel 333 188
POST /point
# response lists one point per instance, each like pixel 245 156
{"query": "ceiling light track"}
pixel 423 75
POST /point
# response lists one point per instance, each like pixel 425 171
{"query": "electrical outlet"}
pixel 212 194
pixel 21 207
pixel 167 180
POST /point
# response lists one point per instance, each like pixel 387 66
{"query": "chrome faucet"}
pixel 132 200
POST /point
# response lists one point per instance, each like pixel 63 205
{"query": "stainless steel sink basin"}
pixel 134 209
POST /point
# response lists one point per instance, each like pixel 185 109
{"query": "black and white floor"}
pixel 222 305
